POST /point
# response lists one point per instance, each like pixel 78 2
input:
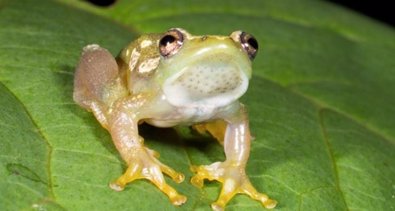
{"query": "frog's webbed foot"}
pixel 143 164
pixel 234 180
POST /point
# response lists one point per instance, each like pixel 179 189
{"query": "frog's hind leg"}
pixel 97 82
pixel 96 69
pixel 216 128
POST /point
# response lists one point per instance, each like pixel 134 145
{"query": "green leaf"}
pixel 321 104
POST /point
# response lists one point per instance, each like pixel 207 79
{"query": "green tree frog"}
pixel 171 79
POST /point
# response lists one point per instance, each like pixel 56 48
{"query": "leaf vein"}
pixel 331 155
pixel 40 134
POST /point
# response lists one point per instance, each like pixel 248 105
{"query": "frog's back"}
pixel 139 61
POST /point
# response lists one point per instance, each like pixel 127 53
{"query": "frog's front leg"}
pixel 142 162
pixel 231 173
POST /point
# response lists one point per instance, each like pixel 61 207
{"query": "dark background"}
pixel 378 9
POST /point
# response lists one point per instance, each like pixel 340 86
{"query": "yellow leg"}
pixel 234 181
pixel 144 165
pixel 216 128
pixel 231 173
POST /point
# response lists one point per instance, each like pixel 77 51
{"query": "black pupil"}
pixel 167 40
pixel 252 42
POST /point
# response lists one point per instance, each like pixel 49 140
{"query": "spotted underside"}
pixel 208 84
pixel 205 81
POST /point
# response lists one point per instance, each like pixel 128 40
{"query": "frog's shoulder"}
pixel 141 57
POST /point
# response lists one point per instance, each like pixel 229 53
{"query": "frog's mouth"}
pixel 206 84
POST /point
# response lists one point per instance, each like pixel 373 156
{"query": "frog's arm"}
pixel 142 162
pixel 231 172
pixel 97 82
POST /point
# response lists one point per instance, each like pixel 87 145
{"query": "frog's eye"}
pixel 249 44
pixel 171 42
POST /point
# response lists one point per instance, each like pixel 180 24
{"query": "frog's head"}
pixel 205 70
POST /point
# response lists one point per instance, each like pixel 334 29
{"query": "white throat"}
pixel 206 85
